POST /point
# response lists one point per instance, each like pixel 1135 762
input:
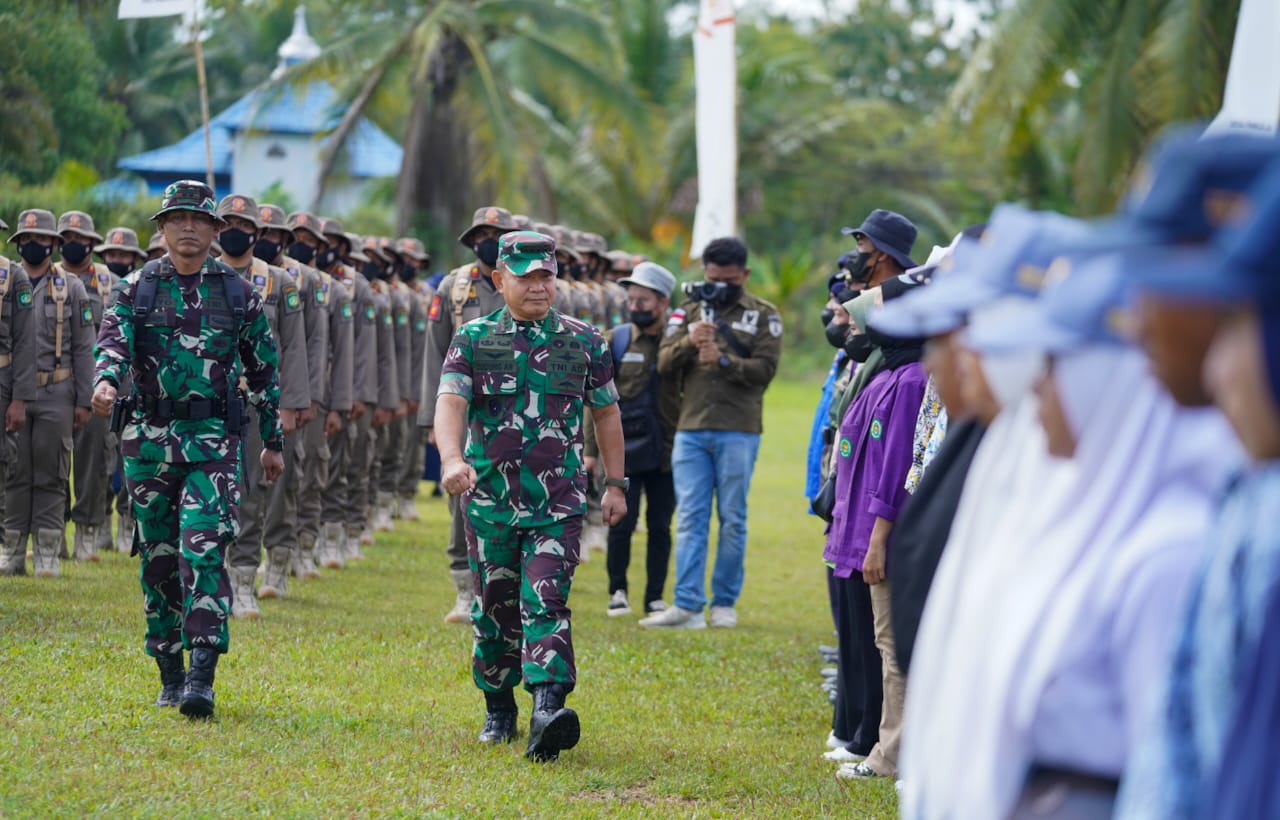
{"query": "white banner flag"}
pixel 154 8
pixel 1251 102
pixel 715 69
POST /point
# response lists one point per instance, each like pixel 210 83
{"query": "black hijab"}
pixel 898 352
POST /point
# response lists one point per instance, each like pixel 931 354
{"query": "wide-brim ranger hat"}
pixel 305 221
pixel 653 276
pixel 4 226
pixel 412 248
pixel 1087 300
pixel 523 252
pixel 621 262
pixel 188 195
pixel 890 232
pixel 271 217
pixel 488 216
pixel 1011 259
pixel 78 222
pixel 1187 187
pixel 121 239
pixel 239 205
pixel 36 221
pixel 564 241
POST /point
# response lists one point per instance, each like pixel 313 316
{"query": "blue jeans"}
pixel 706 463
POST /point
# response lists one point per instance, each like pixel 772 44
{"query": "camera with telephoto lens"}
pixel 711 292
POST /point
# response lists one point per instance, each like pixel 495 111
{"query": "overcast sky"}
pixel 965 18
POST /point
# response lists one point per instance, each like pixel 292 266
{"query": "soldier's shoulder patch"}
pixel 420 325
pixel 292 301
pixel 775 325
pixel 86 314
pixel 370 313
pixel 348 311
pixel 322 293
pixel 434 312
pixel 402 319
pixel 24 295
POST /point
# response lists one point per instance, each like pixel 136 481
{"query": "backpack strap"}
pixel 263 281
pixel 58 290
pixel 5 279
pixel 621 341
pixel 144 299
pixel 458 295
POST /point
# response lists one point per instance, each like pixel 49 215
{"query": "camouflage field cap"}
pixel 412 248
pixel 272 217
pixel 122 239
pixel 522 222
pixel 79 222
pixel 304 221
pixel 245 207
pixel 36 221
pixel 525 251
pixel 188 195
pixel 491 216
pixel 564 241
pixel 593 243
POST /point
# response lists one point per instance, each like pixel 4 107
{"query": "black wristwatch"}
pixel 623 484
pixel 276 444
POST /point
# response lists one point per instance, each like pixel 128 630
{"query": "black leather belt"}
pixel 186 409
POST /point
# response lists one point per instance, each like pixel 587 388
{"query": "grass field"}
pixel 353 698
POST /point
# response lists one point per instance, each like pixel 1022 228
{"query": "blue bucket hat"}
pixel 890 232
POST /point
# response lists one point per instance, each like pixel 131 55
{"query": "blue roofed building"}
pixel 277 133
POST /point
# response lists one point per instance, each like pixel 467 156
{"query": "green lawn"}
pixel 353 698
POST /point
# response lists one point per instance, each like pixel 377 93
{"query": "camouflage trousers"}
pixel 520 616
pixel 187 515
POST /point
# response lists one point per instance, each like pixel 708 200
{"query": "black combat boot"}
pixel 500 720
pixel 197 695
pixel 552 727
pixel 172 678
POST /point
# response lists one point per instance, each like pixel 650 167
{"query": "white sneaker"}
pixel 842 755
pixel 656 606
pixel 618 604
pixel 834 742
pixel 723 617
pixel 857 771
pixel 675 618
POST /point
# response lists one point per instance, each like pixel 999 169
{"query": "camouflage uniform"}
pixel 465 294
pixel 182 472
pixel 93 446
pixel 526 384
pixel 282 307
pixel 62 333
pixel 17 379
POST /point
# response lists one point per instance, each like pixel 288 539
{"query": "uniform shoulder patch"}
pixel 877 429
pixel 775 325
pixel 86 314
pixel 24 296
pixel 434 312
pixel 420 326
pixel 348 312
pixel 370 313
pixel 292 301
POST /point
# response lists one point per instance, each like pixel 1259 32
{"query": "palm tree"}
pixel 1070 91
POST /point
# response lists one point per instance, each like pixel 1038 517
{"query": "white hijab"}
pixel 1014 597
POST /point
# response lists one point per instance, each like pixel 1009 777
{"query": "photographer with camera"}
pixel 722 346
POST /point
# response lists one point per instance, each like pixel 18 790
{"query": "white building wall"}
pixel 258 161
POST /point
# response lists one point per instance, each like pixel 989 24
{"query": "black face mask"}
pixel 33 253
pixel 236 242
pixel 827 315
pixel 301 251
pixel 578 270
pixel 121 269
pixel 487 251
pixel 326 258
pixel 858 347
pixel 371 270
pixel 837 334
pixel 75 252
pixel 266 250
pixel 644 318
pixel 561 269
pixel 862 268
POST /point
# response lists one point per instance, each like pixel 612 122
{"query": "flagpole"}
pixel 204 98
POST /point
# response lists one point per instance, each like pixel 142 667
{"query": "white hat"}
pixel 652 276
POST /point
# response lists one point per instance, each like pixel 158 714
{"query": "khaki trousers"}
pixel 884 757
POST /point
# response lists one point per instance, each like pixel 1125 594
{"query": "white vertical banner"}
pixel 154 8
pixel 715 67
pixel 1251 103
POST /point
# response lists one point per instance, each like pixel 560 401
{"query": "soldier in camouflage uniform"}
pixel 335 375
pixel 62 329
pixel 122 255
pixel 516 383
pixel 467 293
pixel 93 447
pixel 283 525
pixel 416 261
pixel 282 305
pixel 204 331
pixel 17 382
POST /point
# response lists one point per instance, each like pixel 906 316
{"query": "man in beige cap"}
pixel 93 452
pixel 282 303
pixel 376 269
pixel 416 262
pixel 281 527
pixel 63 332
pixel 466 293
pixel 17 380
pixel 156 247
pixel 122 254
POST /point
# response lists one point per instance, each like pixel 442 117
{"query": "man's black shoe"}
pixel 552 727
pixel 197 695
pixel 172 679
pixel 500 717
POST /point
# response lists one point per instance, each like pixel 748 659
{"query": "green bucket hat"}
pixel 188 195
pixel 523 252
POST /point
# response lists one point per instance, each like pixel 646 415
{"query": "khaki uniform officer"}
pixel 94 448
pixel 62 329
pixel 282 304
pixel 416 261
pixel 17 381
pixel 466 293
